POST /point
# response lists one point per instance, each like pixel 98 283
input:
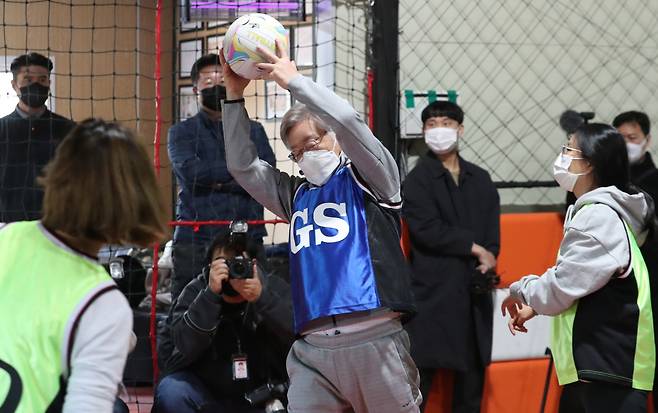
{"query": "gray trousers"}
pixel 366 371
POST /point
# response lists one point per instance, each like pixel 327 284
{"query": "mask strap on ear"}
pixel 335 141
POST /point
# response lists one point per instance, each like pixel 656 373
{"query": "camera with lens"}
pixel 484 283
pixel 268 397
pixel 239 267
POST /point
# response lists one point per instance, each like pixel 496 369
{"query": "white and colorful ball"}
pixel 246 34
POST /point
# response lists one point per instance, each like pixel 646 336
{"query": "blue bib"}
pixel 330 267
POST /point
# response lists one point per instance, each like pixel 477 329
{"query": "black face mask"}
pixel 211 97
pixel 34 95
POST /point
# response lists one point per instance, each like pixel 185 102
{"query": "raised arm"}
pixel 270 187
pixel 265 152
pixel 263 147
pixel 266 184
pixel 373 161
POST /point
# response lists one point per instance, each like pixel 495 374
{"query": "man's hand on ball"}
pixel 235 84
pixel 280 68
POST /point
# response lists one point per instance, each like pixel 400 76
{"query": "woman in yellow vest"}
pixel 598 291
pixel 64 326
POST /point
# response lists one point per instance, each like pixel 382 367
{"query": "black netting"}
pixel 130 61
pixel 103 59
pixel 517 65
pixel 513 66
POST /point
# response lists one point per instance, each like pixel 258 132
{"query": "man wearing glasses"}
pixel 350 283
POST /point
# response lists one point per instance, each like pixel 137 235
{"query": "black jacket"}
pixel 26 146
pixel 453 328
pixel 200 336
pixel 644 175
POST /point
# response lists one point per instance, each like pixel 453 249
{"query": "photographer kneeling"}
pixel 228 333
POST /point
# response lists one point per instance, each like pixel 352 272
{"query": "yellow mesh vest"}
pixel 644 358
pixel 42 284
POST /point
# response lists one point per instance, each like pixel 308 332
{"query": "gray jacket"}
pixel 275 189
pixel 593 250
pixel 374 171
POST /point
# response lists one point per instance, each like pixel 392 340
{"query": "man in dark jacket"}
pixel 206 190
pixel 224 337
pixel 636 129
pixel 452 209
pixel 28 138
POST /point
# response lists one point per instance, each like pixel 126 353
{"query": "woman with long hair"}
pixel 598 291
pixel 65 327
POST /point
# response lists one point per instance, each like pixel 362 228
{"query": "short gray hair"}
pixel 300 113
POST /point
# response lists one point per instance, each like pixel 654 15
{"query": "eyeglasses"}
pixel 566 149
pixel 310 145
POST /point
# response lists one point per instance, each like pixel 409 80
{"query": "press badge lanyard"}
pixel 239 360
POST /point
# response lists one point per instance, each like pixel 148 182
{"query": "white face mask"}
pixel 441 140
pixel 635 151
pixel 318 166
pixel 566 180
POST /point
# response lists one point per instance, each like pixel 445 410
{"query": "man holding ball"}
pixel 349 279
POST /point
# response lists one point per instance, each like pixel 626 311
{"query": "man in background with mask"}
pixel 635 127
pixel 28 138
pixel 206 190
pixel 452 210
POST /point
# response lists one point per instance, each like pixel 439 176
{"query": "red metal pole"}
pixel 156 164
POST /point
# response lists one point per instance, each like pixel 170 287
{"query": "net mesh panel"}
pixel 518 65
pixel 104 54
pixel 103 57
pixel 515 65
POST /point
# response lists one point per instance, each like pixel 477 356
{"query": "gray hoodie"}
pixel 593 250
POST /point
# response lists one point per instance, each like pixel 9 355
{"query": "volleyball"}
pixel 243 37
